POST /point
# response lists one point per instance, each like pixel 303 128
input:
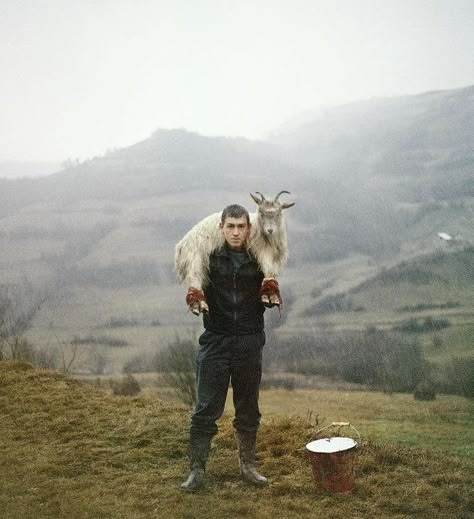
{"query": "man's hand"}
pixel 270 293
pixel 196 301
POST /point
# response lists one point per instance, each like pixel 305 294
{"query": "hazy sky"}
pixel 80 77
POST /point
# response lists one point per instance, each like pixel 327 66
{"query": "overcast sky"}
pixel 81 77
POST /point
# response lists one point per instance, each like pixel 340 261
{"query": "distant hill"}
pixel 27 169
pixel 374 182
pixel 400 136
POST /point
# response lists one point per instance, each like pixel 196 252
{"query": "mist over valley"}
pixel 87 252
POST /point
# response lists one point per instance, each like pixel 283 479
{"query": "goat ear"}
pixel 255 199
pixel 286 206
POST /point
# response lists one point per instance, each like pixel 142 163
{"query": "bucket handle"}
pixel 337 424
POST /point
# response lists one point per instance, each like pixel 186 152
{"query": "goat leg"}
pixel 203 307
pixel 274 300
pixel 270 292
pixel 196 301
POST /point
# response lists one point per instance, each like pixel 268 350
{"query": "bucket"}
pixel 332 460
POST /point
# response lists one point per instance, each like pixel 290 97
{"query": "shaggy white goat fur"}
pixel 269 248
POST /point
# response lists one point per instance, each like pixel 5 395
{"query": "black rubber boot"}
pixel 246 442
pixel 199 453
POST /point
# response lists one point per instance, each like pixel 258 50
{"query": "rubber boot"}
pixel 246 442
pixel 195 480
pixel 199 453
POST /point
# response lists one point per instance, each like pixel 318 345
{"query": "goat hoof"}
pixel 203 307
pixel 275 300
pixel 265 300
pixel 195 309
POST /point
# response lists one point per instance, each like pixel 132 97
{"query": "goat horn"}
pixel 280 193
pixel 263 198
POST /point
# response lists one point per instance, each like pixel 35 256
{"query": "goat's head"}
pixel 269 213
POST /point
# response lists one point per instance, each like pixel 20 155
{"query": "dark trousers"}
pixel 221 359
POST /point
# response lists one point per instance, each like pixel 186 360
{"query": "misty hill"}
pixel 403 166
pixel 170 161
pixel 19 169
pixel 375 165
pixel 373 182
pixel 432 283
pixel 412 136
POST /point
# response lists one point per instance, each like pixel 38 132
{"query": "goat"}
pixel 267 242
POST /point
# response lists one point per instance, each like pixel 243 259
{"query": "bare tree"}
pixel 68 352
pixel 17 310
pixel 178 366
pixel 97 361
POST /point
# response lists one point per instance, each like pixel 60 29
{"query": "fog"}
pixel 83 78
pixel 365 115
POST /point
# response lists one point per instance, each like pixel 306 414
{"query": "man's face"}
pixel 236 232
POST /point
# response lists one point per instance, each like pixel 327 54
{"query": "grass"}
pixel 70 450
pixel 462 336
pixel 444 425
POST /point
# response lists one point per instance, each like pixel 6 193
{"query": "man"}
pixel 230 349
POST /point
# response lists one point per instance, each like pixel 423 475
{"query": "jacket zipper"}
pixel 234 296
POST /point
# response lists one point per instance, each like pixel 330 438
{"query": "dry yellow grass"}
pixel 69 450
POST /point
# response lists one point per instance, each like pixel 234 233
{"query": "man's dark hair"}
pixel 234 211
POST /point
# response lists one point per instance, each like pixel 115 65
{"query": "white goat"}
pixel 267 242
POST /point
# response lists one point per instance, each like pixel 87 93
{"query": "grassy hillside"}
pixel 69 450
pixel 320 299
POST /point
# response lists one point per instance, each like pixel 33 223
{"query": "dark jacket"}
pixel 233 296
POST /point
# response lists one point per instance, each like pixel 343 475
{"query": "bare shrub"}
pixel 21 349
pixel 387 361
pixel 46 359
pixel 278 382
pixel 178 367
pixel 97 361
pixel 67 359
pixel 460 376
pixel 17 309
pixel 141 363
pixel 102 339
pixel 128 386
pixel 425 391
pixel 437 342
pixel 18 306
